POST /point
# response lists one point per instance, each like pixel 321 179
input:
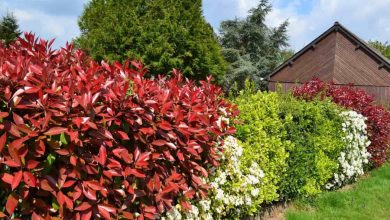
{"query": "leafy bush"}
pixel 264 139
pixel 290 148
pixel 234 188
pixel 81 139
pixel 316 132
pixel 378 118
pixel 353 158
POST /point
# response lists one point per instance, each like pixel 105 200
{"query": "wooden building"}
pixel 340 56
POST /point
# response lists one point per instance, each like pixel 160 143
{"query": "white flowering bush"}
pixel 234 189
pixel 353 158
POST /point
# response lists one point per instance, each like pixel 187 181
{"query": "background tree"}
pixel 252 48
pixel 9 29
pixel 164 34
pixel 384 48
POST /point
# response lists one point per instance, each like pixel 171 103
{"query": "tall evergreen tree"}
pixel 252 48
pixel 9 29
pixel 165 34
pixel 384 48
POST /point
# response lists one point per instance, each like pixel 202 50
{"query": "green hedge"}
pixel 286 148
pixel 295 143
pixel 315 128
pixel 264 139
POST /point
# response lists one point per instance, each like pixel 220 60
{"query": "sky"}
pixel 368 19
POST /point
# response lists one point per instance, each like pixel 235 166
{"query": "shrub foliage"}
pixel 81 139
pixel 316 132
pixel 378 118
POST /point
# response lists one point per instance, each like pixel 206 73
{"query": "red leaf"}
pixel 105 209
pixel 40 148
pixel 159 143
pixel 3 139
pixel 86 216
pixel 123 135
pixel 136 173
pixel 12 203
pixel 165 125
pixel 102 155
pixel 29 179
pixel 93 185
pixel 73 160
pixel 35 216
pixel 45 185
pixel 36 69
pixel 60 198
pixel 89 193
pixel 6 177
pixel 18 143
pixel 2 215
pixel 68 202
pixel 3 115
pixel 68 183
pixel 104 213
pixel 17 119
pixel 63 152
pixel 83 206
pixel 32 164
pixel 16 180
pixel 55 131
pixel 149 131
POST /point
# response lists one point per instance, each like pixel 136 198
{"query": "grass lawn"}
pixel 367 199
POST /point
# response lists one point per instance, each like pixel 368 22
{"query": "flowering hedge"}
pixel 378 118
pixel 290 148
pixel 353 158
pixel 85 140
pixel 234 188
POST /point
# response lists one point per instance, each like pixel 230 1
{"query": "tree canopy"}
pixel 384 48
pixel 164 34
pixel 252 48
pixel 9 29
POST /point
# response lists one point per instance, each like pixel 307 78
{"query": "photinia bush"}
pixel 378 118
pixel 81 140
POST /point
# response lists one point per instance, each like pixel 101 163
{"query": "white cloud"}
pixel 62 27
pixel 245 5
pixel 367 19
pixel 42 21
pixel 308 18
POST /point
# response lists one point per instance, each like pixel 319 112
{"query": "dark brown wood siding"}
pixel 339 58
pixel 316 62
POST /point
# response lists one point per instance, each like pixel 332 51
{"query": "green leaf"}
pixel 63 139
pixel 51 158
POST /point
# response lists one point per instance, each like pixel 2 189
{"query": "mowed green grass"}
pixel 368 199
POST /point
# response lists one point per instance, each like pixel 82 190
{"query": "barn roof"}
pixel 337 27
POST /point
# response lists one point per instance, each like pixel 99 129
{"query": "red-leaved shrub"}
pixel 82 140
pixel 378 118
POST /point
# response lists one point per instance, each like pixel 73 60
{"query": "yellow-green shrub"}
pixel 295 143
pixel 315 128
pixel 264 138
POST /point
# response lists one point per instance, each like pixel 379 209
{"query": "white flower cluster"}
pixel 233 189
pixel 355 155
pixel 223 117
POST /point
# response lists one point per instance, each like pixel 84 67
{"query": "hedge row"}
pixel 82 140
pixel 378 118
pixel 285 148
